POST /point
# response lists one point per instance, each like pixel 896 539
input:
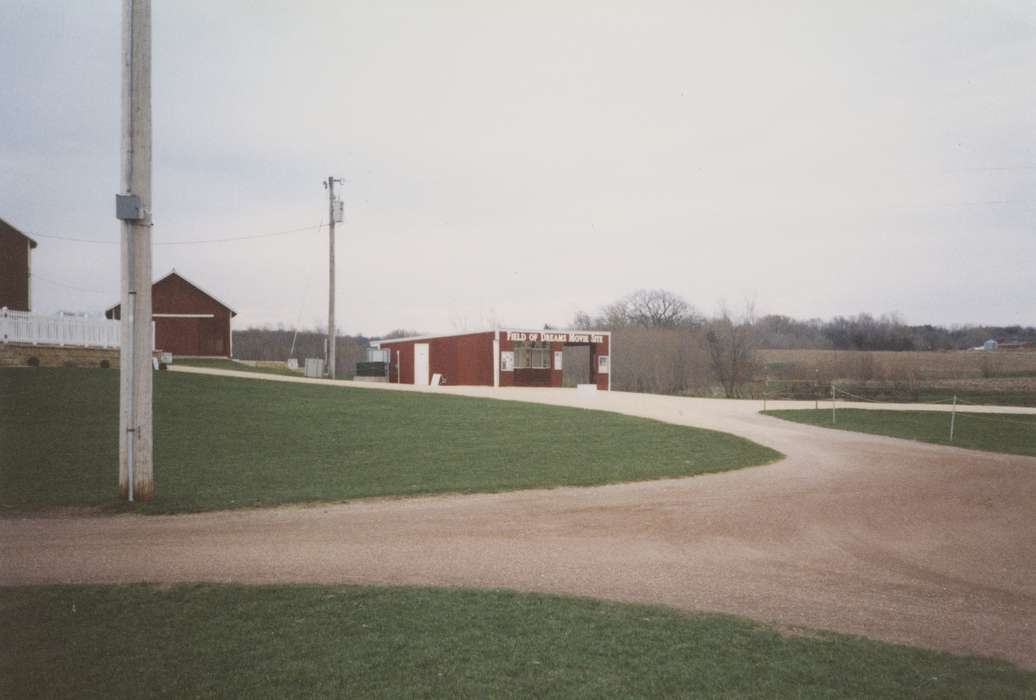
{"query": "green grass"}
pixel 221 363
pixel 311 641
pixel 900 393
pixel 928 394
pixel 225 442
pixel 1011 433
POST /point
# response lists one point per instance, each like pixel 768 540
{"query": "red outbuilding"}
pixel 504 357
pixel 15 268
pixel 189 321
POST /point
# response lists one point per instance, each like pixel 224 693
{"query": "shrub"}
pixel 105 364
pixel 33 361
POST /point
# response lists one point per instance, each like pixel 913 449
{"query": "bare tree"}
pixel 646 308
pixel 400 333
pixel 582 321
pixel 657 308
pixel 731 343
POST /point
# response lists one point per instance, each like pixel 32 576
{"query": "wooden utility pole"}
pixel 133 208
pixel 330 185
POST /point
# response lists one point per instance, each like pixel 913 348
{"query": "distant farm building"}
pixel 497 358
pixel 189 322
pixel 15 268
pixel 1014 345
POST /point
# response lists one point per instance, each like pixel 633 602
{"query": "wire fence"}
pixel 834 393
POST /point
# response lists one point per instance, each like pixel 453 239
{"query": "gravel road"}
pixel 894 540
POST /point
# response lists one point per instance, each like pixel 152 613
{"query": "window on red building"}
pixel 531 356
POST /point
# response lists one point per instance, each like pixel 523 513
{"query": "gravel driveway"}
pixel 890 539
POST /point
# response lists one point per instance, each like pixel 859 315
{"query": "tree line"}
pixel 659 308
pixel 280 344
pixel 887 332
pixel 668 346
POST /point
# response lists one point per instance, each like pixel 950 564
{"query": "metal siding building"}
pixel 505 357
pixel 189 321
pixel 15 268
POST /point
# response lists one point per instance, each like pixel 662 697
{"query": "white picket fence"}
pixel 27 327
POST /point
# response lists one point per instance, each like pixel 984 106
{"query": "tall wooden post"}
pixel 136 475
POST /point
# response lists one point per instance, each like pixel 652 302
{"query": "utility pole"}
pixel 332 216
pixel 133 209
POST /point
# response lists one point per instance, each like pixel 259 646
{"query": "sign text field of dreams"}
pixel 555 337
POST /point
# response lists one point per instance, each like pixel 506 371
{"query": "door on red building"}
pixel 575 365
pixel 421 364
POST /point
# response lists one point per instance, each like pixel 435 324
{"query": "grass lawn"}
pixel 932 394
pixel 223 442
pixel 311 641
pixel 992 393
pixel 1011 433
pixel 221 363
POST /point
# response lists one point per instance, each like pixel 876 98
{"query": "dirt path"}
pixel 894 540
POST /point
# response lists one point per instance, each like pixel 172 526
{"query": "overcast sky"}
pixel 516 162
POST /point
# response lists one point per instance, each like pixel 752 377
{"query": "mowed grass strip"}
pixel 311 641
pixel 1013 433
pixel 225 442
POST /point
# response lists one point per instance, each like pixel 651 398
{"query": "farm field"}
pixel 1000 432
pixel 1002 377
pixel 221 363
pixel 226 442
pixel 310 641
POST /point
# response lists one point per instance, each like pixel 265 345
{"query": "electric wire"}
pixel 35 276
pixel 189 242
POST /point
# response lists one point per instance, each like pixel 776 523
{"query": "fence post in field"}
pixel 953 417
pixel 834 416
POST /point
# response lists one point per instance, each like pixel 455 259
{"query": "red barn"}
pixel 189 321
pixel 15 268
pixel 497 358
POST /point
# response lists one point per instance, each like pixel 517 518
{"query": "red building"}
pixel 189 321
pixel 498 358
pixel 15 268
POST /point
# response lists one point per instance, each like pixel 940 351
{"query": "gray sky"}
pixel 516 162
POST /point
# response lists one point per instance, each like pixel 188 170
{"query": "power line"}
pixel 74 240
pixel 192 242
pixel 75 289
pixel 244 238
pixel 1005 167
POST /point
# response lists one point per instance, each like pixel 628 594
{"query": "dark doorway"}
pixel 575 365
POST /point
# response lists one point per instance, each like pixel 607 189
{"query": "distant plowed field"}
pixel 988 377
pixel 898 366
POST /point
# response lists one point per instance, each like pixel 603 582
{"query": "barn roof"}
pixel 32 243
pixel 176 274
